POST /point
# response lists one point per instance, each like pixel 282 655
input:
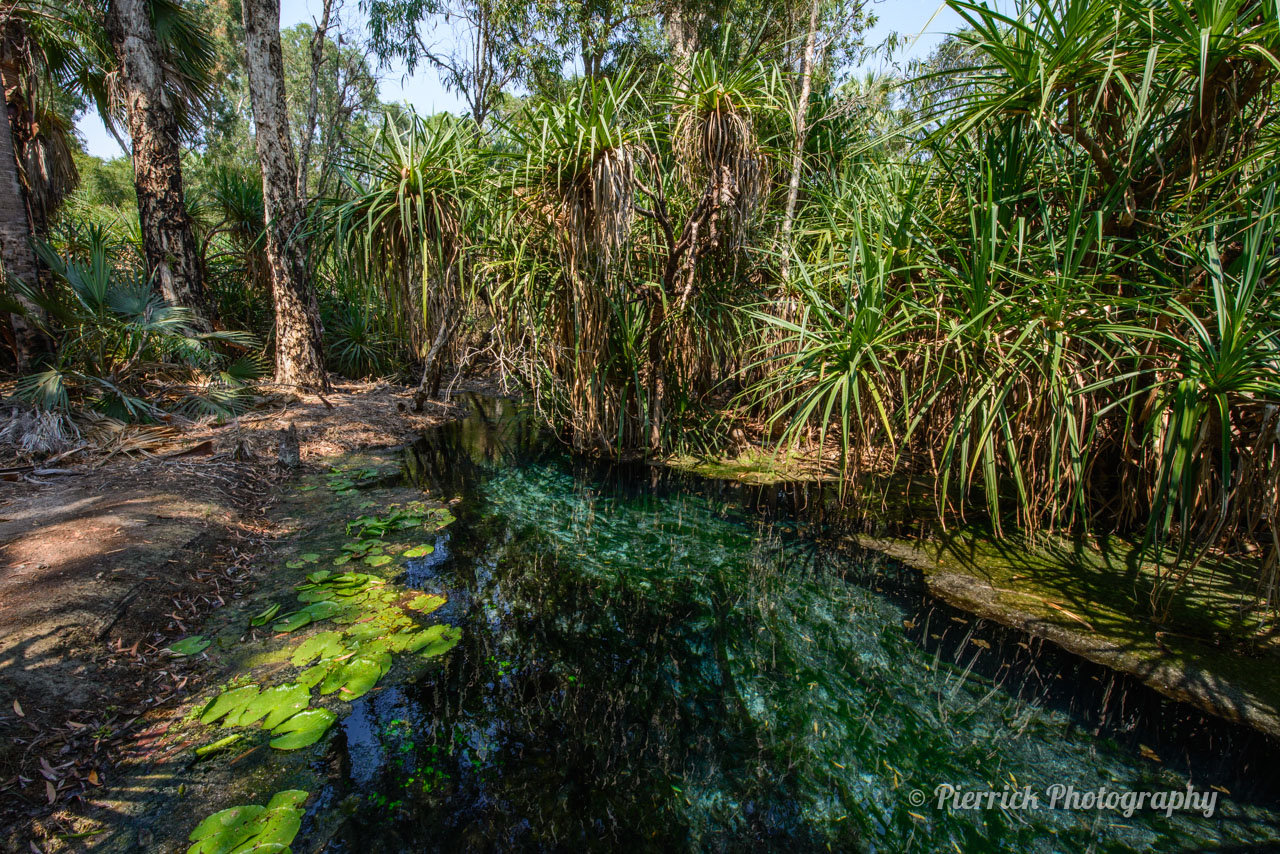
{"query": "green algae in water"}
pixel 648 666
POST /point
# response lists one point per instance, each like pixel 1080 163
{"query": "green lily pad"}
pixel 435 640
pixel 292 798
pixel 357 677
pixel 316 673
pixel 309 557
pixel 223 831
pixel 190 646
pixel 315 594
pixel 426 603
pixel 319 576
pixel 323 610
pixel 323 645
pixel 218 746
pixel 293 622
pixel 303 729
pixel 296 564
pixel 276 705
pixel 266 614
pixel 342 560
pixel 228 702
pixel 378 560
pixel 420 551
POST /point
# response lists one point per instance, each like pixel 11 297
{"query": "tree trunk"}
pixel 16 254
pixel 797 150
pixel 298 342
pixel 173 257
pixel 313 103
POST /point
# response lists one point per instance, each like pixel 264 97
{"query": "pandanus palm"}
pixel 409 200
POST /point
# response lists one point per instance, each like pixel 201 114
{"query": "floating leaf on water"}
pixel 218 746
pixel 318 576
pixel 303 729
pixel 291 798
pixel 223 831
pixel 322 645
pixel 266 614
pixel 420 551
pixel 307 488
pixel 292 622
pixel 190 646
pixel 323 610
pixel 296 564
pixel 316 674
pixel 246 829
pixel 276 705
pixel 309 557
pixel 378 560
pixel 227 702
pixel 438 641
pixel 315 594
pixel 426 603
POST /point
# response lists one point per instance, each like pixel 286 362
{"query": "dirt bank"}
pixel 106 564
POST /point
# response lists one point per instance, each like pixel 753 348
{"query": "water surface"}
pixel 665 663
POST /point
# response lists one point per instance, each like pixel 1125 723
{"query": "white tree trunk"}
pixel 802 130
pixel 298 333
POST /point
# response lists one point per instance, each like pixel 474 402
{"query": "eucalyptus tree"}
pixel 299 359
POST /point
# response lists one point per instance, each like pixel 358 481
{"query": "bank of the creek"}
pixel 571 655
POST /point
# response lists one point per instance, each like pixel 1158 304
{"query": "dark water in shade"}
pixel 655 662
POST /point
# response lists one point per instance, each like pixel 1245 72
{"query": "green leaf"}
pixel 378 560
pixel 218 746
pixel 323 610
pixel 228 702
pixel 303 729
pixel 266 614
pixel 293 622
pixel 322 645
pixel 426 603
pixel 190 646
pixel 275 705
pixel 420 551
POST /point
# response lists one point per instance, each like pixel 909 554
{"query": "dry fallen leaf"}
pixel 17 709
pixel 93 777
pixel 50 791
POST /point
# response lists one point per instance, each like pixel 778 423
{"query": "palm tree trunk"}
pixel 298 342
pixel 16 254
pixel 173 256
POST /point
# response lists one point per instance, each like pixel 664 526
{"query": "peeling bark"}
pixel 173 256
pixel 298 334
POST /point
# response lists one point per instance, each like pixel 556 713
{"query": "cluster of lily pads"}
pixel 251 828
pixel 347 661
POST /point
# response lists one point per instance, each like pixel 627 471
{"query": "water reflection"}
pixel 649 662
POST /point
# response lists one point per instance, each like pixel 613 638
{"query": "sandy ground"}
pixel 103 566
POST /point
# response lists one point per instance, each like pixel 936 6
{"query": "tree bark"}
pixel 298 334
pixel 16 254
pixel 173 257
pixel 797 149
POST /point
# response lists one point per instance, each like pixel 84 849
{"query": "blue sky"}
pixel 424 91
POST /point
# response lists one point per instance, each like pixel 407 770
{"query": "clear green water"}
pixel 650 663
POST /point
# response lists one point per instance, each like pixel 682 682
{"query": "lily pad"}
pixel 190 646
pixel 303 729
pixel 266 614
pixel 293 622
pixel 323 645
pixel 316 673
pixel 319 576
pixel 426 603
pixel 223 831
pixel 342 560
pixel 356 677
pixel 227 703
pixel 435 640
pixel 378 560
pixel 276 705
pixel 420 551
pixel 322 610
pixel 315 594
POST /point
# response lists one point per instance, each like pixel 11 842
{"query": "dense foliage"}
pixel 1038 269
